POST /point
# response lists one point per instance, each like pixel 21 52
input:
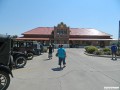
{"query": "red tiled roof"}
pixel 32 38
pixel 40 30
pixel 87 31
pixel 73 31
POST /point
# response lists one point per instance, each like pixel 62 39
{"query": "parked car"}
pixel 6 61
pixel 30 48
pixel 25 47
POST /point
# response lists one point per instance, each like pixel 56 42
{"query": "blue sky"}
pixel 18 16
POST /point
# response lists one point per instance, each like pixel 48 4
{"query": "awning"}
pixel 32 38
pixel 88 39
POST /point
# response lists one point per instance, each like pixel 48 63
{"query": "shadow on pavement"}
pixel 46 59
pixel 57 69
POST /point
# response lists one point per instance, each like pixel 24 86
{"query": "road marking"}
pixel 111 88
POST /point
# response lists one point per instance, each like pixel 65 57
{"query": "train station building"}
pixel 69 37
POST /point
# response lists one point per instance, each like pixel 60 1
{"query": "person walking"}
pixel 50 52
pixel 62 56
pixel 38 48
pixel 114 51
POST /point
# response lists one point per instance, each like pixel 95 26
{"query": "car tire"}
pixel 30 56
pixel 4 80
pixel 20 62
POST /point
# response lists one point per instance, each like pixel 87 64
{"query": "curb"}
pixel 108 56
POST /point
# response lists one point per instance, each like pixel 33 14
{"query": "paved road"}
pixel 82 73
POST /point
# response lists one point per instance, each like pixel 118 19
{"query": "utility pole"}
pixel 119 38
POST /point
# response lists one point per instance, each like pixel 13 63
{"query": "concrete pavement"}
pixel 82 73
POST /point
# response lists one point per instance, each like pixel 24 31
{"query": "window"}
pixel 61 32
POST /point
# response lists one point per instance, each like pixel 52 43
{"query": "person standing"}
pixel 38 48
pixel 50 48
pixel 114 51
pixel 61 55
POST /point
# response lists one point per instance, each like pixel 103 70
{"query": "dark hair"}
pixel 61 45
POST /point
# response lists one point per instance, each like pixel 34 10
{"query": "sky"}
pixel 19 16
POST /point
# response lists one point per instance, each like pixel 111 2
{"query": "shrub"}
pixel 86 47
pixel 106 49
pixel 91 49
pixel 98 52
pixel 107 53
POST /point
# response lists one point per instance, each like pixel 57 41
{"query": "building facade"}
pixel 69 37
